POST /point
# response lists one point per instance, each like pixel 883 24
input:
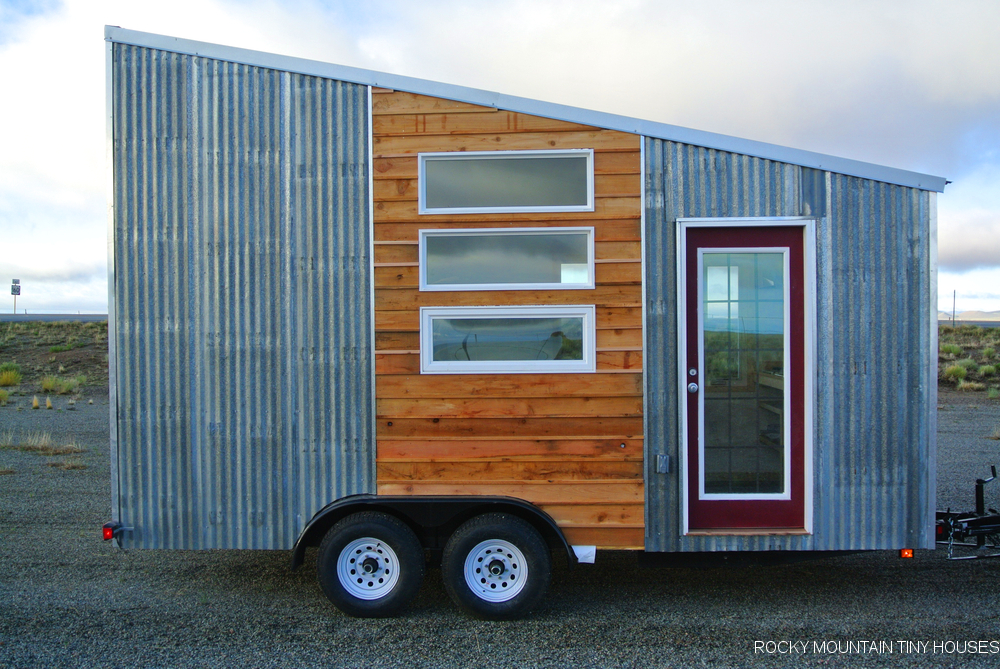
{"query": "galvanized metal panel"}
pixel 873 451
pixel 242 299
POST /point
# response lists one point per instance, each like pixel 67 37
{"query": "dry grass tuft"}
pixel 971 385
pixel 34 402
pixel 38 442
pixel 68 464
pixel 4 396
pixel 6 470
pixel 996 434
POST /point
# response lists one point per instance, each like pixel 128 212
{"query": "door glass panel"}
pixel 743 343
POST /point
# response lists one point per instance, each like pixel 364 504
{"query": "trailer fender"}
pixel 432 518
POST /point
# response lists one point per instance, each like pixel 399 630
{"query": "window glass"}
pixel 507 339
pixel 507 181
pixel 506 259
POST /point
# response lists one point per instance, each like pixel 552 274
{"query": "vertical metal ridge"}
pixel 241 249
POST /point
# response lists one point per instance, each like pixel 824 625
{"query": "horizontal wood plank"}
pixel 404 299
pixel 622 360
pixel 605 162
pixel 408 276
pixel 607 140
pixel 509 470
pixel 621 230
pixel 607 318
pixel 510 385
pixel 468 122
pixel 606 538
pixel 409 363
pixel 398 102
pixel 517 428
pixel 451 449
pixel 597 515
pixel 405 211
pixel 495 407
pixel 538 492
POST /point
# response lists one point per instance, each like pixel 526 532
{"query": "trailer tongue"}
pixel 957 529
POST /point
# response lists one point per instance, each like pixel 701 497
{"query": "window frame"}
pixel 488 232
pixel 585 366
pixel 422 159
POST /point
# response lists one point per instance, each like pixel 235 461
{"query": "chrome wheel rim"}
pixel 368 568
pixel 496 570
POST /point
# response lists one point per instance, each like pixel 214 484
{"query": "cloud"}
pixel 908 85
pixel 967 246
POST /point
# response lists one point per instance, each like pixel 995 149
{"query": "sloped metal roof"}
pixel 476 96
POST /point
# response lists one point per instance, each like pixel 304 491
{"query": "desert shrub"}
pixel 4 395
pixel 970 385
pixel 989 353
pixel 10 367
pixel 988 370
pixel 10 378
pixel 951 350
pixel 993 393
pixel 954 373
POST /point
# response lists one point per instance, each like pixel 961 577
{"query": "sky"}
pixel 911 84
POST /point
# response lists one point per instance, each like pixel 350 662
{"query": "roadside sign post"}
pixel 15 290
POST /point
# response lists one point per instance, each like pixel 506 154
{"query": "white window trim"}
pixel 589 363
pixel 500 155
pixel 505 286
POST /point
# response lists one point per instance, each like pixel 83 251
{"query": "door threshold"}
pixel 748 532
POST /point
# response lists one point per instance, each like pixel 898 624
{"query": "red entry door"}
pixel 744 311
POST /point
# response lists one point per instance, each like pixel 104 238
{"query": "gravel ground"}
pixel 68 599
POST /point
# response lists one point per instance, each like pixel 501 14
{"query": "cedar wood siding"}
pixel 570 443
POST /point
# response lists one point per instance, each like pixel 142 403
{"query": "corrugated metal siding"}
pixel 242 299
pixel 873 440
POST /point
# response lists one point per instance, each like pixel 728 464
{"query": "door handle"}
pixel 692 388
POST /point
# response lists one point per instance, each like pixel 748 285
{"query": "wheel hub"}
pixel 496 570
pixel 367 568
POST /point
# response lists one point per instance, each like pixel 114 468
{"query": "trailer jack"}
pixel 983 525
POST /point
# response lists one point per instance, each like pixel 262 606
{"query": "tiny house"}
pixel 399 319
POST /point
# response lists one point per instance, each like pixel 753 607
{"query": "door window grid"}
pixel 744 444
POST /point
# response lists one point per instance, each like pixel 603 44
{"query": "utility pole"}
pixel 954 299
pixel 15 290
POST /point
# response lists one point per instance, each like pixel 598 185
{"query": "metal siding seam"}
pixel 111 56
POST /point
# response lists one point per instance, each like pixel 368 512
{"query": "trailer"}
pixel 406 322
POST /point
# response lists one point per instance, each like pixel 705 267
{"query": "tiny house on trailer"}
pixel 394 319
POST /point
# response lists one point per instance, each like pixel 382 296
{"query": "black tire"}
pixel 383 545
pixel 515 550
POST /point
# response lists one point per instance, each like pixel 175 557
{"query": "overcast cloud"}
pixel 907 84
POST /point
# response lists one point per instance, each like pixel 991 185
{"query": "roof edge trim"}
pixel 652 129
